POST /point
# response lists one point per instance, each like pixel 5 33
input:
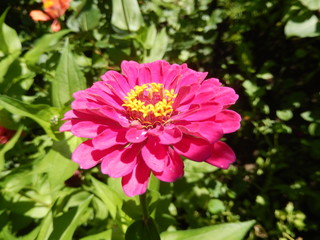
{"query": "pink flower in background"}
pixel 5 134
pixel 143 120
pixel 53 9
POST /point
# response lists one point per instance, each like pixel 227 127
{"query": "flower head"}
pixel 5 134
pixel 53 9
pixel 143 120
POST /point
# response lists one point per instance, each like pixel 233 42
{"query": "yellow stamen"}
pixel 150 104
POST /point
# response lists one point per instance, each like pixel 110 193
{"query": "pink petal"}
pixel 199 112
pixel 38 15
pixel 173 169
pixel 229 120
pixel 109 138
pixel 55 26
pixel 135 135
pixel 117 82
pixel 209 130
pixel 86 129
pixel 86 155
pixel 155 154
pixel 111 113
pixel 130 70
pixel 226 96
pixel 66 126
pixel 193 148
pixel 170 136
pixel 222 155
pixel 120 162
pixel 136 183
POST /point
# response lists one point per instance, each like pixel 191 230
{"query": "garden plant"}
pixel 159 119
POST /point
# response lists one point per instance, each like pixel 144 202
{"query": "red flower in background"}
pixel 53 9
pixel 5 134
pixel 141 122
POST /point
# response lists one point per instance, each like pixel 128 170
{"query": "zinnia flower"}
pixel 53 9
pixel 143 120
pixel 5 134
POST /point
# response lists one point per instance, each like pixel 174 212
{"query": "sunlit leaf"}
pixel 40 113
pixel 9 40
pixel 106 235
pixel 230 231
pixel 68 79
pixel 112 201
pixel 159 48
pixel 311 4
pixel 42 45
pixel 306 28
pixel 126 15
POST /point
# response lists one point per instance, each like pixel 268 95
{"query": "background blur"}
pixel 268 50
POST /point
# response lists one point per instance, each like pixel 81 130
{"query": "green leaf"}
pixel 112 201
pixel 141 230
pixel 216 206
pixel 60 168
pixel 68 79
pixel 40 113
pixel 65 225
pixel 311 4
pixel 46 227
pixel 44 44
pixel 5 64
pixel 126 15
pixel 306 28
pixel 159 48
pixel 106 235
pixel 9 145
pixel 284 115
pixel 9 40
pixel 88 18
pixel 230 231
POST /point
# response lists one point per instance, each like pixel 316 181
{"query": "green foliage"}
pixel 267 50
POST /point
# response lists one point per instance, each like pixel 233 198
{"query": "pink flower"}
pixel 141 122
pixel 53 9
pixel 5 134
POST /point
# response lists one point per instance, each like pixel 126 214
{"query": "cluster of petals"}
pixel 132 148
pixel 53 9
pixel 5 134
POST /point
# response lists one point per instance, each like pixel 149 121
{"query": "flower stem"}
pixel 144 207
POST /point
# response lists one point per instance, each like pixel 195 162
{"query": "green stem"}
pixel 144 207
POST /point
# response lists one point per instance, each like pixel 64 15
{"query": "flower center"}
pixel 48 4
pixel 150 104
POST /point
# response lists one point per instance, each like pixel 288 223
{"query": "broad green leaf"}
pixel 126 15
pixel 9 40
pixel 44 44
pixel 306 28
pixel 68 79
pixel 40 113
pixel 88 19
pixel 60 168
pixel 284 115
pixel 106 235
pixel 311 4
pixel 46 227
pixel 150 36
pixel 216 206
pixel 141 230
pixel 5 64
pixel 229 231
pixel 9 145
pixel 159 48
pixel 112 201
pixel 65 225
